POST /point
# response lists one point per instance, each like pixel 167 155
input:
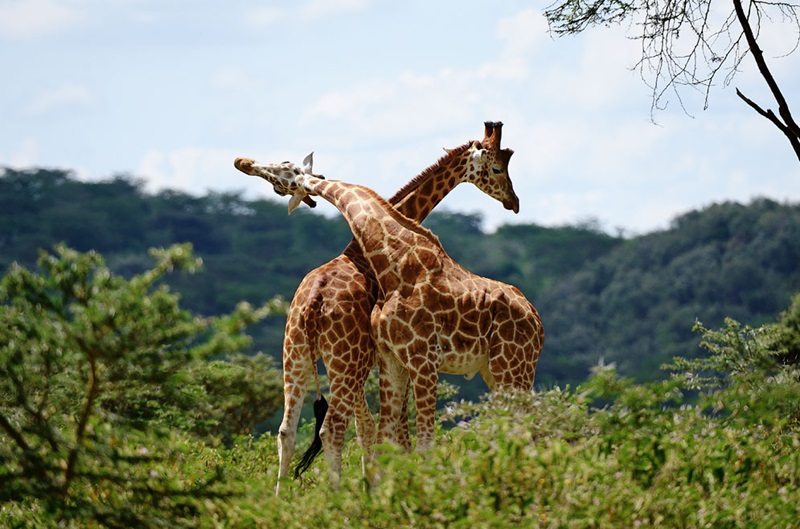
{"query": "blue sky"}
pixel 171 91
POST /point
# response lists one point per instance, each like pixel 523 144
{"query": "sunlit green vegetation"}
pixel 105 386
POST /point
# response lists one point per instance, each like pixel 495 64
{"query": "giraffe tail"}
pixel 320 409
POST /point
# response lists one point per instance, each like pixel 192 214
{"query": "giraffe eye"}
pixel 495 170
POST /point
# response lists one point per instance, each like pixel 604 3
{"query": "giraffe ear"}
pixel 295 201
pixel 308 162
pixel 477 150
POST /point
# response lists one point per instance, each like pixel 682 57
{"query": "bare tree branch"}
pixel 687 44
pixel 788 126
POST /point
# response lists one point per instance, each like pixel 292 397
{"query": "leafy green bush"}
pixel 102 380
pixel 705 448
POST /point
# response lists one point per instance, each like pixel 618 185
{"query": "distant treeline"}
pixel 631 301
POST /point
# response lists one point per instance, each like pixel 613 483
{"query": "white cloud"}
pixel 194 170
pixel 313 9
pixel 410 104
pixel 355 101
pixel 32 18
pixel 26 153
pixel 232 78
pixel 64 95
pixel 265 16
pixel 425 105
pixel 323 8
pixel 521 76
pixel 506 87
pixel 575 114
pixel 522 32
pixel 23 156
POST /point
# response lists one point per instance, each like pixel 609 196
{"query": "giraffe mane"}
pixel 406 222
pixel 415 182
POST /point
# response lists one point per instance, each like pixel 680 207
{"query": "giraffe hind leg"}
pixel 348 368
pixel 393 380
pixel 333 432
pixel 366 433
pixel 296 369
pixel 402 435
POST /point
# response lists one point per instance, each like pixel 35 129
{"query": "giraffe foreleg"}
pixel 424 382
pixel 393 379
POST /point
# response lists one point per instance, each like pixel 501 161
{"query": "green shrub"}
pixel 102 381
pixel 704 448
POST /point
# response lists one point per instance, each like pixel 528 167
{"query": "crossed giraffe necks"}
pixel 416 200
pixel 384 235
pixel 434 314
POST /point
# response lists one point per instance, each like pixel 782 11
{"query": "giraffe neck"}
pixel 419 196
pixel 386 237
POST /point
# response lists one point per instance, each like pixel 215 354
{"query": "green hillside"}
pixel 631 301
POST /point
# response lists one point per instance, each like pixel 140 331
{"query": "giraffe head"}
pixel 488 167
pixel 282 176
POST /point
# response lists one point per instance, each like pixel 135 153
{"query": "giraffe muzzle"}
pixel 245 165
pixel 512 203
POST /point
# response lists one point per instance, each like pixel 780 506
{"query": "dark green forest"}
pixel 630 301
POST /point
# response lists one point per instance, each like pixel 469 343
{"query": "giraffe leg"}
pixel 296 369
pixel 393 379
pixel 488 377
pixel 349 361
pixel 401 434
pixel 332 434
pixel 516 369
pixel 425 384
pixel 365 431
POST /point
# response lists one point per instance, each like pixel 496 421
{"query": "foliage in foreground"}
pixel 717 444
pixel 106 382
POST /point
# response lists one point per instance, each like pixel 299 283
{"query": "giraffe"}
pixel 431 316
pixel 329 313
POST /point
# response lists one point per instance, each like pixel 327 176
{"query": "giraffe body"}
pixel 444 319
pixel 431 314
pixel 330 313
